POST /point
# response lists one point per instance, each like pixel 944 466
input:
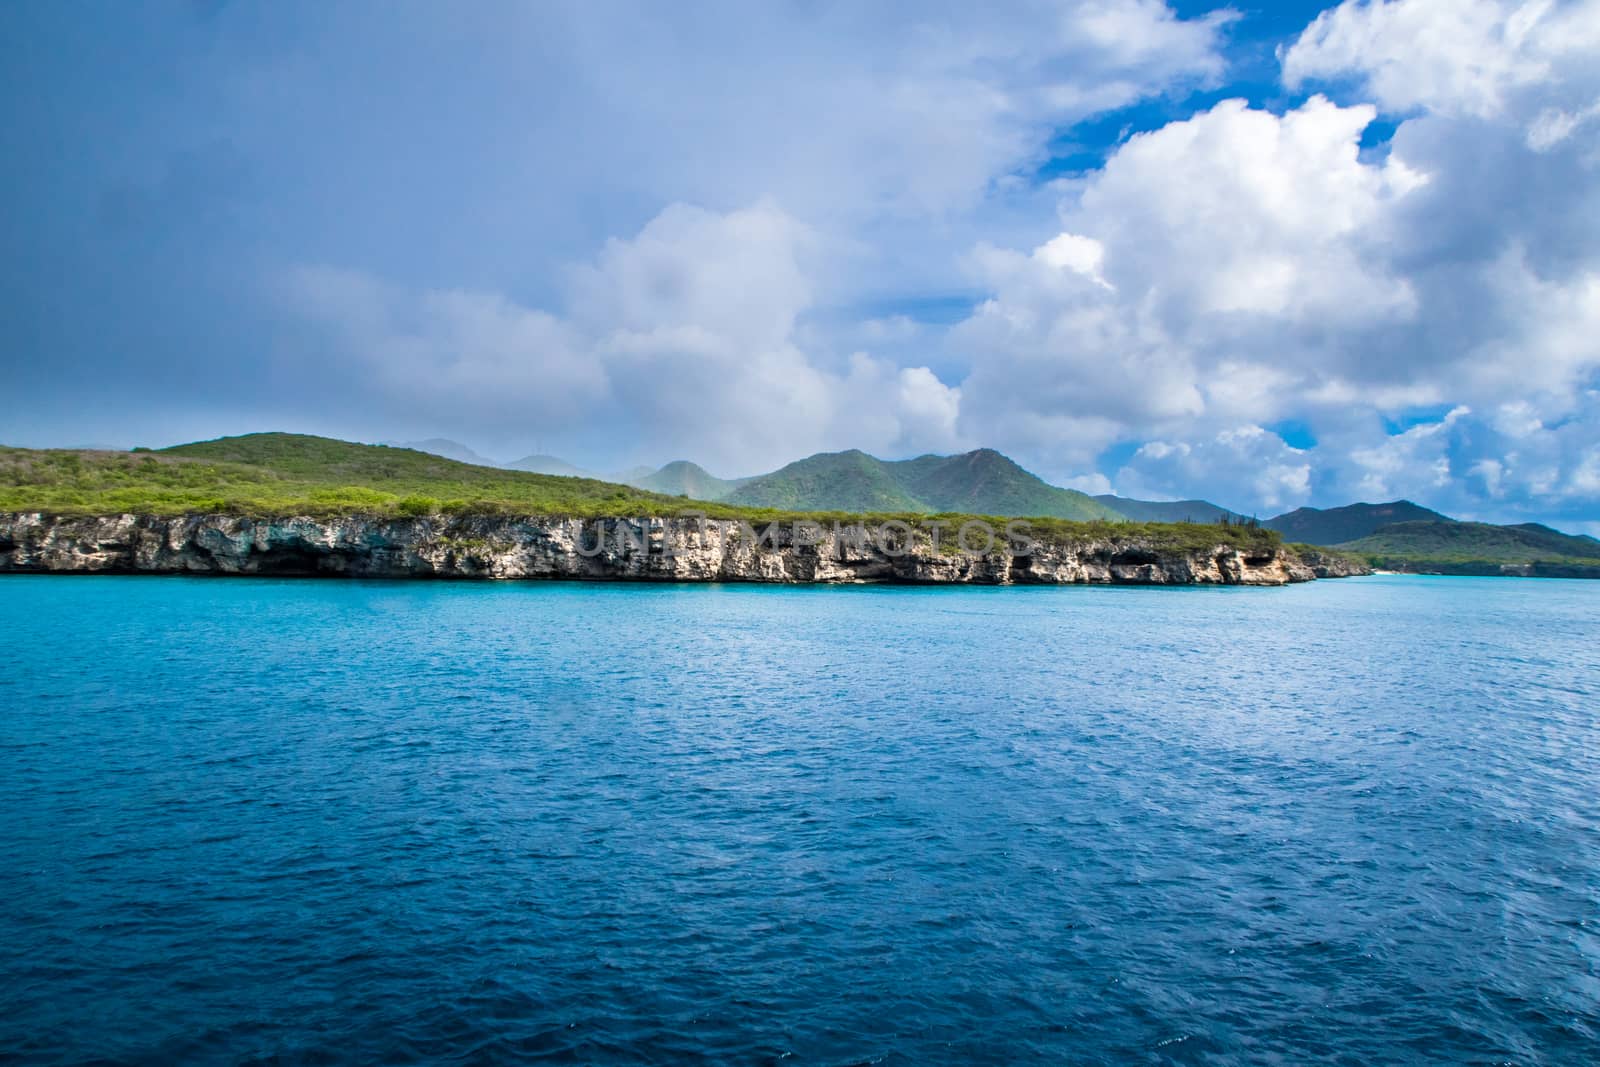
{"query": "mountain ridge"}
pixel 1166 510
pixel 981 482
pixel 1350 522
pixel 446 448
pixel 682 477
pixel 1479 548
pixel 540 463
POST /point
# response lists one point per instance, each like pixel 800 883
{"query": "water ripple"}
pixel 319 822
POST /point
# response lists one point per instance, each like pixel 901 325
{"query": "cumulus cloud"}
pixel 1450 57
pixel 1195 265
pixel 1061 364
pixel 1246 266
pixel 682 338
pixel 1412 463
pixel 1244 463
pixel 1242 210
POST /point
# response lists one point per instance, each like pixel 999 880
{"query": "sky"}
pixel 1274 255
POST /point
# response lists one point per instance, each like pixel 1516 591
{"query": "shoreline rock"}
pixel 650 549
pixel 1330 564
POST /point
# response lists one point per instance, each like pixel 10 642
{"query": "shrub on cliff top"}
pixel 416 507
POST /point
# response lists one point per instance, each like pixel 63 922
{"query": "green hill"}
pixel 989 483
pixel 1335 526
pixel 828 481
pixel 1479 548
pixel 1166 510
pixel 983 482
pixel 682 478
pixel 278 473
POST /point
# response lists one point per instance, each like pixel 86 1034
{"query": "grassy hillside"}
pixel 682 478
pixel 1475 548
pixel 986 481
pixel 829 481
pixel 1166 510
pixel 1335 526
pixel 982 482
pixel 272 474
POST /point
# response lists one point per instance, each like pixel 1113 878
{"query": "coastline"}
pixel 496 547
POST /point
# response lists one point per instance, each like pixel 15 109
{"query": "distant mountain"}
pixel 1480 548
pixel 631 476
pixel 682 478
pixel 1335 526
pixel 985 482
pixel 1166 510
pixel 1525 543
pixel 442 446
pixel 982 482
pixel 542 464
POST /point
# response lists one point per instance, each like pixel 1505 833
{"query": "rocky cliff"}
pixel 673 549
pixel 1329 564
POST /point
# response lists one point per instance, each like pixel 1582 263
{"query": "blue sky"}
pixel 1274 255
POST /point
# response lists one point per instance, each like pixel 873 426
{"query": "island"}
pixel 292 505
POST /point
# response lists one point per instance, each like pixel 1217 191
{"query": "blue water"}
pixel 351 822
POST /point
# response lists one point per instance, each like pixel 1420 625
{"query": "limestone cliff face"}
pixel 674 549
pixel 1332 564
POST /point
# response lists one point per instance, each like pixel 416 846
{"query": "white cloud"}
pixel 1463 57
pixel 927 409
pixel 1094 483
pixel 1414 463
pixel 1060 365
pixel 461 349
pixel 1072 252
pixel 1190 267
pixel 1553 125
pixel 1242 267
pixel 1243 463
pixel 1242 210
pixel 683 336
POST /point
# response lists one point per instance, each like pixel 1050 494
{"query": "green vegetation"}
pixel 831 481
pixel 1402 536
pixel 278 474
pixel 1478 548
pixel 986 481
pixel 270 475
pixel 1165 536
pixel 1336 526
pixel 982 482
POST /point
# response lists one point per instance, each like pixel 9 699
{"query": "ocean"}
pixel 322 821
